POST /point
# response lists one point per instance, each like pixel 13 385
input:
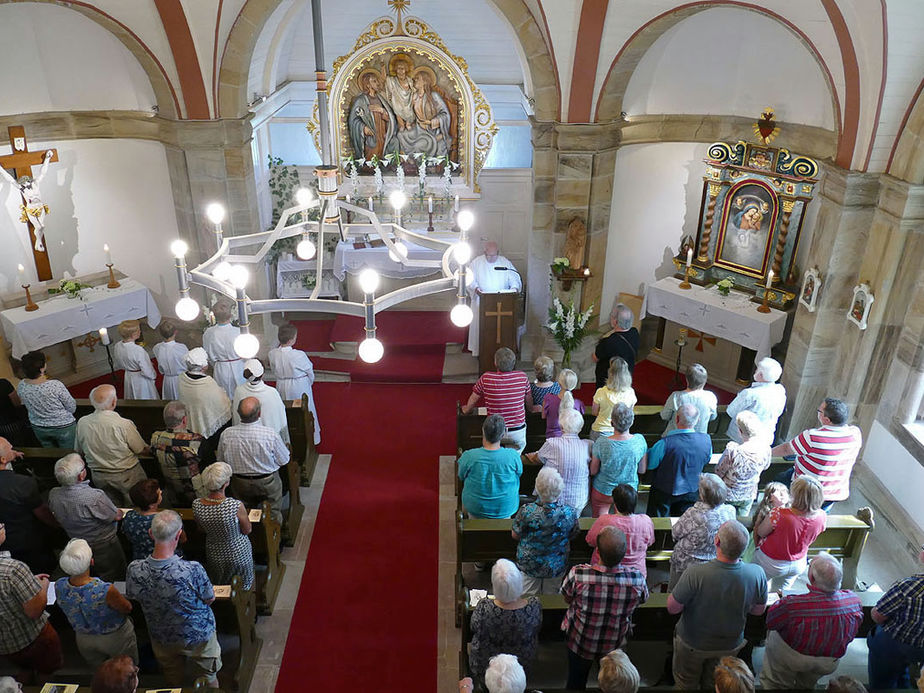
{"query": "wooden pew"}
pixel 648 422
pixel 244 613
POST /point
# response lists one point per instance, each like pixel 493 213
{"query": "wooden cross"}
pixel 21 162
pixel 499 314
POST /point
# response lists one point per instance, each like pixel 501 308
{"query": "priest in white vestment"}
pixel 208 407
pixel 171 359
pixel 272 408
pixel 294 372
pixel 218 342
pixel 492 273
pixel 140 376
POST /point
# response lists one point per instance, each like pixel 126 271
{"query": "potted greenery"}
pixel 725 286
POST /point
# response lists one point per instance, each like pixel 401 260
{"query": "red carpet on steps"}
pixel 366 615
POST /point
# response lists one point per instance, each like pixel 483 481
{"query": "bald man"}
pixel 678 460
pixel 110 444
pixel 493 273
pixel 255 453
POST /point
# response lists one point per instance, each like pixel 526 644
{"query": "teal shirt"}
pixel 618 462
pixel 492 481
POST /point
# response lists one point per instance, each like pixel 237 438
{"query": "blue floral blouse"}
pixel 545 532
pixel 86 608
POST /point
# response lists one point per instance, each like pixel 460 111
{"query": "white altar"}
pixel 60 319
pixel 348 259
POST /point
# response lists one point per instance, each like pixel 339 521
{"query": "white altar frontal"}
pixel 709 317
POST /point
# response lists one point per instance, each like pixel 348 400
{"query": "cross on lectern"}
pixel 499 314
pixel 21 162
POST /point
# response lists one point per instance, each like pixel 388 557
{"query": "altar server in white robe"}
pixel 208 407
pixel 140 376
pixel 171 358
pixel 272 408
pixel 218 342
pixel 294 372
pixel 492 273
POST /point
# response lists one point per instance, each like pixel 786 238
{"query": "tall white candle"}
pixel 348 199
pixel 769 278
pixel 689 257
pixel 22 273
pixel 430 204
pixel 104 335
pixel 456 205
pixel 108 254
pixel 370 203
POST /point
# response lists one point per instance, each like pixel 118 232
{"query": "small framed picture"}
pixel 811 285
pixel 860 305
pixel 59 688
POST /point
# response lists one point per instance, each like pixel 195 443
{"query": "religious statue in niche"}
pixel 32 209
pixel 860 306
pixel 744 239
pixel 811 285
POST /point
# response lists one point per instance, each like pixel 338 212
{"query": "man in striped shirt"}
pixel 506 392
pixel 827 453
pixel 808 633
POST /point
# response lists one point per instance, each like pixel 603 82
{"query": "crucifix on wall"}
pixel 32 209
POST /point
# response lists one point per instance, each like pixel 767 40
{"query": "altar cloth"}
pixel 60 318
pixel 733 318
pixel 353 260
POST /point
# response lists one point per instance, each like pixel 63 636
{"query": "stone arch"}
pixel 906 160
pixel 612 92
pixel 239 48
pixel 167 99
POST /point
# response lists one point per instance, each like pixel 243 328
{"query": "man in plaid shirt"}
pixel 601 599
pixel 898 638
pixel 809 633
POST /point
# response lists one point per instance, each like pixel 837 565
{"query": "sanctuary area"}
pixel 490 345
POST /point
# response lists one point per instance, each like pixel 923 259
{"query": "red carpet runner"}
pixel 366 615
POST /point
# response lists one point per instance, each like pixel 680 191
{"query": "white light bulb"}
pixel 246 345
pixel 222 271
pixel 187 309
pixel 215 212
pixel 462 252
pixel 179 248
pixel 371 350
pixel 397 198
pixel 304 197
pixel 305 249
pixel 461 315
pixel 238 276
pixel 368 281
pixel 399 254
pixel 465 219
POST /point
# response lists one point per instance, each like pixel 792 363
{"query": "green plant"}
pixel 69 287
pixel 725 286
pixel 309 280
pixel 560 264
pixel 568 326
pixel 283 182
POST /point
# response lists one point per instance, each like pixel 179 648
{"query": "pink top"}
pixel 639 530
pixel 505 393
pixel 792 534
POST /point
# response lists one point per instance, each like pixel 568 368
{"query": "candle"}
pixel 456 205
pixel 430 204
pixel 370 203
pixel 22 273
pixel 104 336
pixel 348 199
pixel 108 254
pixel 689 257
pixel 769 278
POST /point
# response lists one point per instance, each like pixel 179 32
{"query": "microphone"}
pixel 505 269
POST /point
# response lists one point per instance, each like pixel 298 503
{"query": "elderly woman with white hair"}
pixel 741 463
pixel 226 524
pixel 96 610
pixel 508 623
pixel 694 533
pixel 504 675
pixel 554 405
pixel 617 673
pixel 765 397
pixel 570 457
pixel 543 385
pixel 616 459
pixel 544 530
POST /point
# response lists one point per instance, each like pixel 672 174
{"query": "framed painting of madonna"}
pixel 746 229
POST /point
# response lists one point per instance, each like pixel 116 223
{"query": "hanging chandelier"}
pixel 226 272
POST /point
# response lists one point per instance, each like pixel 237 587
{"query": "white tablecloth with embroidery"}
pixel 59 318
pixel 355 260
pixel 733 318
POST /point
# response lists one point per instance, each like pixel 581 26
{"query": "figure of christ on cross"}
pixel 33 209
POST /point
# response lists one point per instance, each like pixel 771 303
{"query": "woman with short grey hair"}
pixel 543 384
pixel 616 459
pixel 508 623
pixel 741 463
pixel 228 551
pixel 694 533
pixel 705 401
pixel 544 530
pixel 570 457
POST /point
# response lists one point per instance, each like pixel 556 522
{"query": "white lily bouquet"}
pixel 568 326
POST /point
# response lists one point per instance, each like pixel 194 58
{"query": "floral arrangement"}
pixel 69 287
pixel 725 286
pixel 560 264
pixel 568 326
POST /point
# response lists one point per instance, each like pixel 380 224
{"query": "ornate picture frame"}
pixel 746 230
pixel 811 286
pixel 861 305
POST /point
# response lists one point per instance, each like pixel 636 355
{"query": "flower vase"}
pixel 566 359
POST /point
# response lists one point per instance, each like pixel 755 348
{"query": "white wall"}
pixel 730 62
pixel 67 62
pixel 657 190
pixel 102 191
pixel 897 469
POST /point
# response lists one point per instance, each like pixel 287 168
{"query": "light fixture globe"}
pixel 461 315
pixel 305 249
pixel 238 276
pixel 187 309
pixel 469 276
pixel 398 199
pixel 222 271
pixel 399 254
pixel 368 281
pixel 215 212
pixel 371 350
pixel 462 252
pixel 246 345
pixel 465 219
pixel 304 196
pixel 179 248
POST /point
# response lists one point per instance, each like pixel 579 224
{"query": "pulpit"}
pixel 498 327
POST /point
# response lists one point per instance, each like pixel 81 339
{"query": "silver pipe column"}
pixel 321 78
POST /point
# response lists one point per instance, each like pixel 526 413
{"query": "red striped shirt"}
pixel 828 454
pixel 817 624
pixel 505 393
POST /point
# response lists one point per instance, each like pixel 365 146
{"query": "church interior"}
pixel 747 178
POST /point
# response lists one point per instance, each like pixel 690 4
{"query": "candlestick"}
pixel 113 284
pixel 108 253
pixel 685 284
pixel 30 304
pixel 104 336
pixel 430 216
pixel 763 307
pixel 769 278
pixel 689 257
pixel 430 206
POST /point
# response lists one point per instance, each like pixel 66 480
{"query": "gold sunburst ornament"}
pixel 399 6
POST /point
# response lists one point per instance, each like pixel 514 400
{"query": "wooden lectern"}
pixel 497 326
